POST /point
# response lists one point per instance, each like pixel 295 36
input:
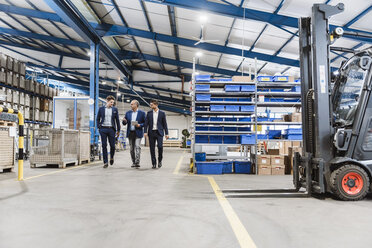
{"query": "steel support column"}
pixel 94 91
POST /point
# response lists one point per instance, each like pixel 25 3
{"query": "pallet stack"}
pixel 31 98
pixel 7 157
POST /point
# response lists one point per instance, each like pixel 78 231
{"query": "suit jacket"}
pixel 162 122
pixel 141 117
pixel 115 122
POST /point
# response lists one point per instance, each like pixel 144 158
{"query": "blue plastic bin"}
pixel 221 80
pixel 202 87
pixel 231 119
pixel 209 167
pixel 188 142
pixel 217 108
pixel 244 129
pixel 199 118
pixel 247 108
pixel 200 156
pixel 215 139
pixel 247 139
pixel 215 128
pixel 231 99
pixel 280 79
pixel 232 108
pixel 293 136
pixel 232 88
pixel 264 79
pixel 274 134
pixel 245 119
pixel 290 131
pixel 296 88
pixel 277 90
pixel 198 108
pixel 292 100
pixel 244 167
pixel 276 99
pixel 263 90
pixel 201 128
pixel 230 129
pixel 216 99
pixel 262 136
pixel 247 99
pixel 201 139
pixel 248 88
pixel 227 139
pixel 262 119
pixel 202 78
pixel 203 97
pixel 215 119
pixel 227 167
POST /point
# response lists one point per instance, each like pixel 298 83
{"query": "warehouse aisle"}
pixel 90 206
pixel 115 207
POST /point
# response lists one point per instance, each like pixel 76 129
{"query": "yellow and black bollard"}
pixel 21 124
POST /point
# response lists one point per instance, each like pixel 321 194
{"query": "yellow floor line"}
pixel 239 230
pixel 62 170
pixel 177 169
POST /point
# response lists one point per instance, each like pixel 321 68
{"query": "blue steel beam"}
pixel 112 30
pixel 260 34
pixel 77 21
pixel 149 26
pixel 126 25
pixel 123 55
pixel 173 26
pixel 94 91
pixel 232 11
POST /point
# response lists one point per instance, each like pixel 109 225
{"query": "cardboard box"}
pixel 273 151
pixel 263 160
pixel 264 169
pixel 277 160
pixel 296 144
pixel 296 117
pixel 284 146
pixel 241 79
pixel 278 170
pixel 286 118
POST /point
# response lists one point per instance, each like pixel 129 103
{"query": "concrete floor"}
pixel 89 206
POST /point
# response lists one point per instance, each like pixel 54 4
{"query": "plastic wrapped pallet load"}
pixel 84 147
pixel 6 150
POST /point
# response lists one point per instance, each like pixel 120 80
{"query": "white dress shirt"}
pixel 155 115
pixel 134 117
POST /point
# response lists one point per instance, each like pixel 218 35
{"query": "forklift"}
pixel 336 118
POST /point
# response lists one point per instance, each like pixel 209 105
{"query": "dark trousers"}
pixel 107 133
pixel 135 147
pixel 154 137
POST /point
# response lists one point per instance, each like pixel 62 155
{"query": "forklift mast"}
pixel 315 87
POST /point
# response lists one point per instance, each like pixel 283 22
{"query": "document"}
pixel 133 123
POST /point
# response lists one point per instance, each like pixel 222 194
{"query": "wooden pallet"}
pixel 6 169
pixel 84 161
pixel 7 124
pixel 60 165
pixel 172 143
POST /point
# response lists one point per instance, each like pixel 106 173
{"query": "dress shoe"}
pixel 134 166
pixel 137 166
pixel 111 161
pixel 105 165
pixel 160 165
pixel 154 166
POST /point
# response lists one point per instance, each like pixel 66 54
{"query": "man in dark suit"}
pixel 108 123
pixel 135 120
pixel 155 127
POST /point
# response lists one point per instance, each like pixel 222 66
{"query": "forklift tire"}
pixel 349 183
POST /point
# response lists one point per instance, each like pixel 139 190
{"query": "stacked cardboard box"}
pixel 278 157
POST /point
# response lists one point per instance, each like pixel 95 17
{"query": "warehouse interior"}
pixel 261 111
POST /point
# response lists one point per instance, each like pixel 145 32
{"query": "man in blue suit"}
pixel 155 127
pixel 108 123
pixel 135 120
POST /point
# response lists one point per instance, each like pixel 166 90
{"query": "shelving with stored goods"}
pixel 226 118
